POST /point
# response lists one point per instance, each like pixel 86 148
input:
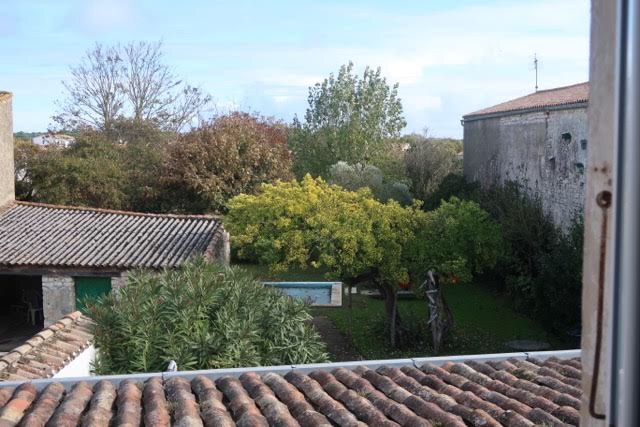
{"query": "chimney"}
pixel 7 185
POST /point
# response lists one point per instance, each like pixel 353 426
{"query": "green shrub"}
pixel 542 266
pixel 559 283
pixel 452 185
pixel 202 316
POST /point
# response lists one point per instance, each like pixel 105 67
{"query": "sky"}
pixel 450 57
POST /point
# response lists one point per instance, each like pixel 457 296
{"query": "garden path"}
pixel 339 348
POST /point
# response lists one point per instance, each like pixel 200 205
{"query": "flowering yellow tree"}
pixel 311 224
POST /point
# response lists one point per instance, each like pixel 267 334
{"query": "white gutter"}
pixel 284 369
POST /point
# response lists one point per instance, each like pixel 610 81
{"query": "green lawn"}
pixel 483 320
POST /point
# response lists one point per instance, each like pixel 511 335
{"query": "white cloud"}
pixel 421 101
pixel 281 99
pixel 97 16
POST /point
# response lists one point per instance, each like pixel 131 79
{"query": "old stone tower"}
pixel 539 141
pixel 7 192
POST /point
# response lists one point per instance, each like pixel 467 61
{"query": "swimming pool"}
pixel 328 294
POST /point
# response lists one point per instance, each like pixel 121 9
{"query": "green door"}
pixel 90 287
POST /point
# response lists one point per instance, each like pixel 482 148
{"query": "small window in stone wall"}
pixel 552 162
pixel 579 167
pixel 566 137
pixel 583 144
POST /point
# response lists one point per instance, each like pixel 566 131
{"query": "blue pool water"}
pixel 315 292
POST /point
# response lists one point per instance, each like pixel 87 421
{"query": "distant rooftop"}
pixel 557 97
pixel 40 235
pixel 50 350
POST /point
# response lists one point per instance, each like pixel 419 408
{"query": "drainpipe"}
pixel 625 378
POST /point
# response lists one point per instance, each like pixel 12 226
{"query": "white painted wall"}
pixel 80 366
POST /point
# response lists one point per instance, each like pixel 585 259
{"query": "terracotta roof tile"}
pixel 50 350
pixel 473 393
pixel 566 95
pixel 34 234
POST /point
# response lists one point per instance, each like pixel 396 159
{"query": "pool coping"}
pixel 336 296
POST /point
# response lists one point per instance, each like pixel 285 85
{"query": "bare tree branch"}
pixel 130 81
pixel 95 91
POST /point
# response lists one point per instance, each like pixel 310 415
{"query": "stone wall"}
pixel 117 282
pixel 7 191
pixel 545 151
pixel 219 249
pixel 58 298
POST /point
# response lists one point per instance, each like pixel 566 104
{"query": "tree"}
pixel 115 169
pixel 130 81
pixel 451 244
pixel 428 161
pixel 230 155
pixel 88 174
pixel 311 224
pixel 202 316
pixel 354 177
pixel 25 155
pixel 350 118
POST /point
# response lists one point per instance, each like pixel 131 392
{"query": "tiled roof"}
pixel 48 351
pixel 513 392
pixel 33 234
pixel 567 95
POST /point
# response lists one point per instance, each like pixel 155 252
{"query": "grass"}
pixel 483 320
pixel 483 323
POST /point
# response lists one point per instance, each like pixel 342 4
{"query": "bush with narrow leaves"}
pixel 203 316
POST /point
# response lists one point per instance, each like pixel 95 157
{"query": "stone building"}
pixel 53 256
pixel 538 140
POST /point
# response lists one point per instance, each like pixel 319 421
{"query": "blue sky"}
pixel 449 57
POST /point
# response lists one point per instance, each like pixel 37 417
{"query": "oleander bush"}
pixel 202 316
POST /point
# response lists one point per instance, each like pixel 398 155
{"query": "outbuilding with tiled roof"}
pixel 52 257
pixel 63 349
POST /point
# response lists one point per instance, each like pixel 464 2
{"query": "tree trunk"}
pixel 440 317
pixel 350 330
pixel 396 330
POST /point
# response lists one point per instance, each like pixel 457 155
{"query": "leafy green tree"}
pixel 311 224
pixel 354 177
pixel 26 156
pixel 115 169
pixel 350 118
pixel 232 154
pixel 202 316
pixel 89 174
pixel 428 161
pixel 451 244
